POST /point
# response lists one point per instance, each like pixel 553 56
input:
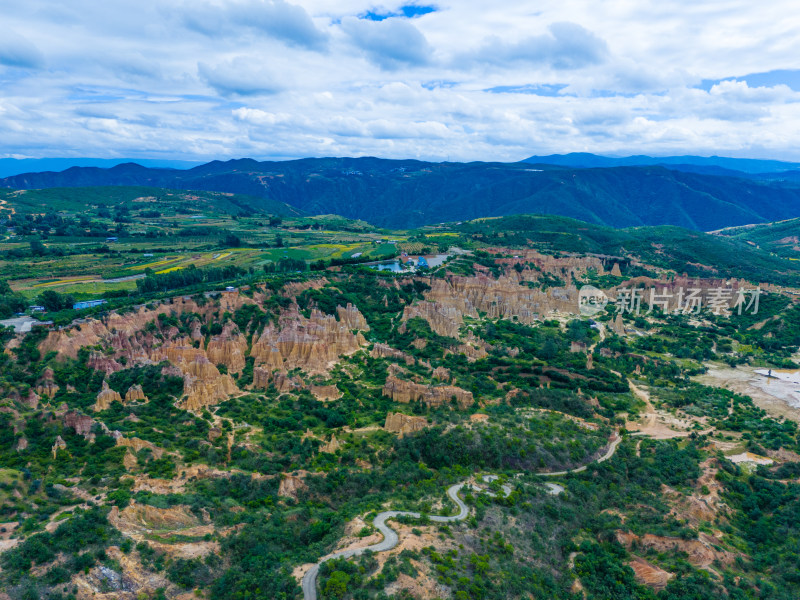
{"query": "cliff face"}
pixel 330 447
pixel 290 485
pixel 325 393
pixel 352 317
pixel 126 332
pixel 386 351
pixel 204 385
pixel 262 377
pixel 312 344
pixel 441 373
pixel 101 362
pixel 228 348
pixel 46 385
pixel 402 424
pixel 82 424
pixel 135 393
pixel 135 444
pixel 105 397
pixel 404 391
pixel 505 298
pixel 444 319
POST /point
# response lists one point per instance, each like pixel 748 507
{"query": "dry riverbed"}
pixel 778 398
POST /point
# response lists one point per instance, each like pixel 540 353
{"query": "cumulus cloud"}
pixel 469 80
pixel 289 23
pixel 239 77
pixel 740 91
pixel 565 46
pixel 17 51
pixel 390 43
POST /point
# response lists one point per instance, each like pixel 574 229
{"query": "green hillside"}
pixel 781 238
pixel 683 251
pixel 409 193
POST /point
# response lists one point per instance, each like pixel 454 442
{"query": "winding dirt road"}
pixel 390 539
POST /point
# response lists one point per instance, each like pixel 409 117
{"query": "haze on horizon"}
pixel 451 80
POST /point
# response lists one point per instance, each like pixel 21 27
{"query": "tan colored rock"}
pixel 615 270
pixel 82 424
pixel 649 574
pixel 312 344
pixel 102 362
pixel 290 485
pixel 479 418
pixel 400 390
pixel 445 320
pixel 136 444
pixel 332 446
pixel 441 374
pixel 701 552
pixel 385 351
pixel 32 399
pixel 22 444
pixel 262 378
pixel 59 444
pixel 472 351
pixel 504 297
pixel 129 461
pixel 352 317
pixel 46 385
pixel 617 326
pixel 204 385
pixel 105 397
pixel 135 393
pixel 325 393
pixel 402 424
pixel 228 348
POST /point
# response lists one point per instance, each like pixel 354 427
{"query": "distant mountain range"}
pixel 715 164
pixel 16 166
pixel 409 193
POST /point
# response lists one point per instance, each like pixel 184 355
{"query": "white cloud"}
pixel 564 46
pixel 17 51
pixel 289 78
pixel 739 91
pixel 240 77
pixel 391 44
pixel 276 18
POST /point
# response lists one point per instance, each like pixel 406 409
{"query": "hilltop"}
pixel 408 193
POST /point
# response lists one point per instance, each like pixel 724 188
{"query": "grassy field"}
pixel 162 231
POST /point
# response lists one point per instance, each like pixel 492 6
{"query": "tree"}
pixel 232 240
pixel 336 587
pixel 53 301
pixel 38 248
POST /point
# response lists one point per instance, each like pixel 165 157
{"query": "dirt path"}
pixel 649 418
pixel 660 425
pixel 4 206
pixel 602 331
pixel 390 538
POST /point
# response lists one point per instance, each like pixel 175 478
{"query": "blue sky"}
pixel 468 80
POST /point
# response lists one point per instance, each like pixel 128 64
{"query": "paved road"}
pixel 390 539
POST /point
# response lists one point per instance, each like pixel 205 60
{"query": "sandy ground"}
pixel 778 398
pixel 660 424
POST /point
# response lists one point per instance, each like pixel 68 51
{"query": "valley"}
pixel 255 411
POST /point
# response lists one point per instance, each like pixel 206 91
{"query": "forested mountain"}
pixel 408 193
pixel 750 166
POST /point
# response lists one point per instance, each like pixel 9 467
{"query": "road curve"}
pixel 390 539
